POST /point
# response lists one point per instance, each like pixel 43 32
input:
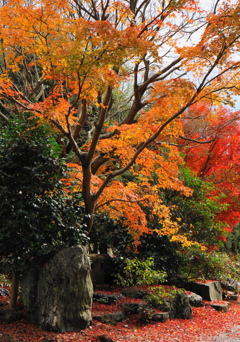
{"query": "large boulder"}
pixel 210 290
pixel 58 295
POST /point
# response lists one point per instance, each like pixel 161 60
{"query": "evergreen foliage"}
pixel 37 216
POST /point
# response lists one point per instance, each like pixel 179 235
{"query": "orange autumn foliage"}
pixel 64 61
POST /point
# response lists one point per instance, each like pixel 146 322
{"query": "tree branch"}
pixel 196 141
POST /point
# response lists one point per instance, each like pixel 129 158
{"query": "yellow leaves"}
pixel 170 227
pixel 182 239
pixel 122 12
pixel 133 134
pixel 218 43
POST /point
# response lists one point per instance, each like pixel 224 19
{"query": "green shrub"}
pixel 139 272
pixel 198 264
pixel 37 215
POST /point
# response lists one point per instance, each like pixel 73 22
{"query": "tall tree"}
pixel 62 59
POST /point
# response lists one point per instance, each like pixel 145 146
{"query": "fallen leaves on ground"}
pixel 206 323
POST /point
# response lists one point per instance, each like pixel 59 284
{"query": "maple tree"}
pixel 62 61
pixel 217 160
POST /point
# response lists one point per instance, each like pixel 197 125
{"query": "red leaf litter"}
pixel 206 325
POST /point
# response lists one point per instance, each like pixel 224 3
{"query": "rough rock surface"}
pixel 111 318
pixel 160 317
pixel 208 291
pixel 195 300
pixel 223 307
pixel 134 293
pixel 58 295
pixel 107 299
pixel 134 308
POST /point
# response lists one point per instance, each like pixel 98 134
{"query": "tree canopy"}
pixel 70 61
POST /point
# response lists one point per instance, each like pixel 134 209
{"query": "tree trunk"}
pixel 14 290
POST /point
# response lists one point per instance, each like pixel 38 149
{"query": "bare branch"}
pixel 196 141
pixel 4 117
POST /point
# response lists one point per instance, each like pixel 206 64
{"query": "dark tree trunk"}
pixel 14 290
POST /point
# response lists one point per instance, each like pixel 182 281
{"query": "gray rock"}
pixel 104 338
pixel 182 308
pixel 107 299
pixel 177 307
pixel 134 293
pixel 133 308
pixel 224 307
pixel 231 295
pixel 58 295
pixel 6 338
pixel 208 291
pixel 160 317
pixel 111 318
pixel 195 300
pixel 230 285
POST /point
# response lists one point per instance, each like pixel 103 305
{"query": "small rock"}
pixel 230 285
pixel 104 338
pixel 111 318
pixel 195 300
pixel 134 293
pixel 133 308
pixel 6 338
pixel 160 317
pixel 107 299
pixel 231 295
pixel 224 307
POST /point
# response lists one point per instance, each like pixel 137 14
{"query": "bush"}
pixel 37 216
pixel 162 250
pixel 197 213
pixel 139 272
pixel 198 264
